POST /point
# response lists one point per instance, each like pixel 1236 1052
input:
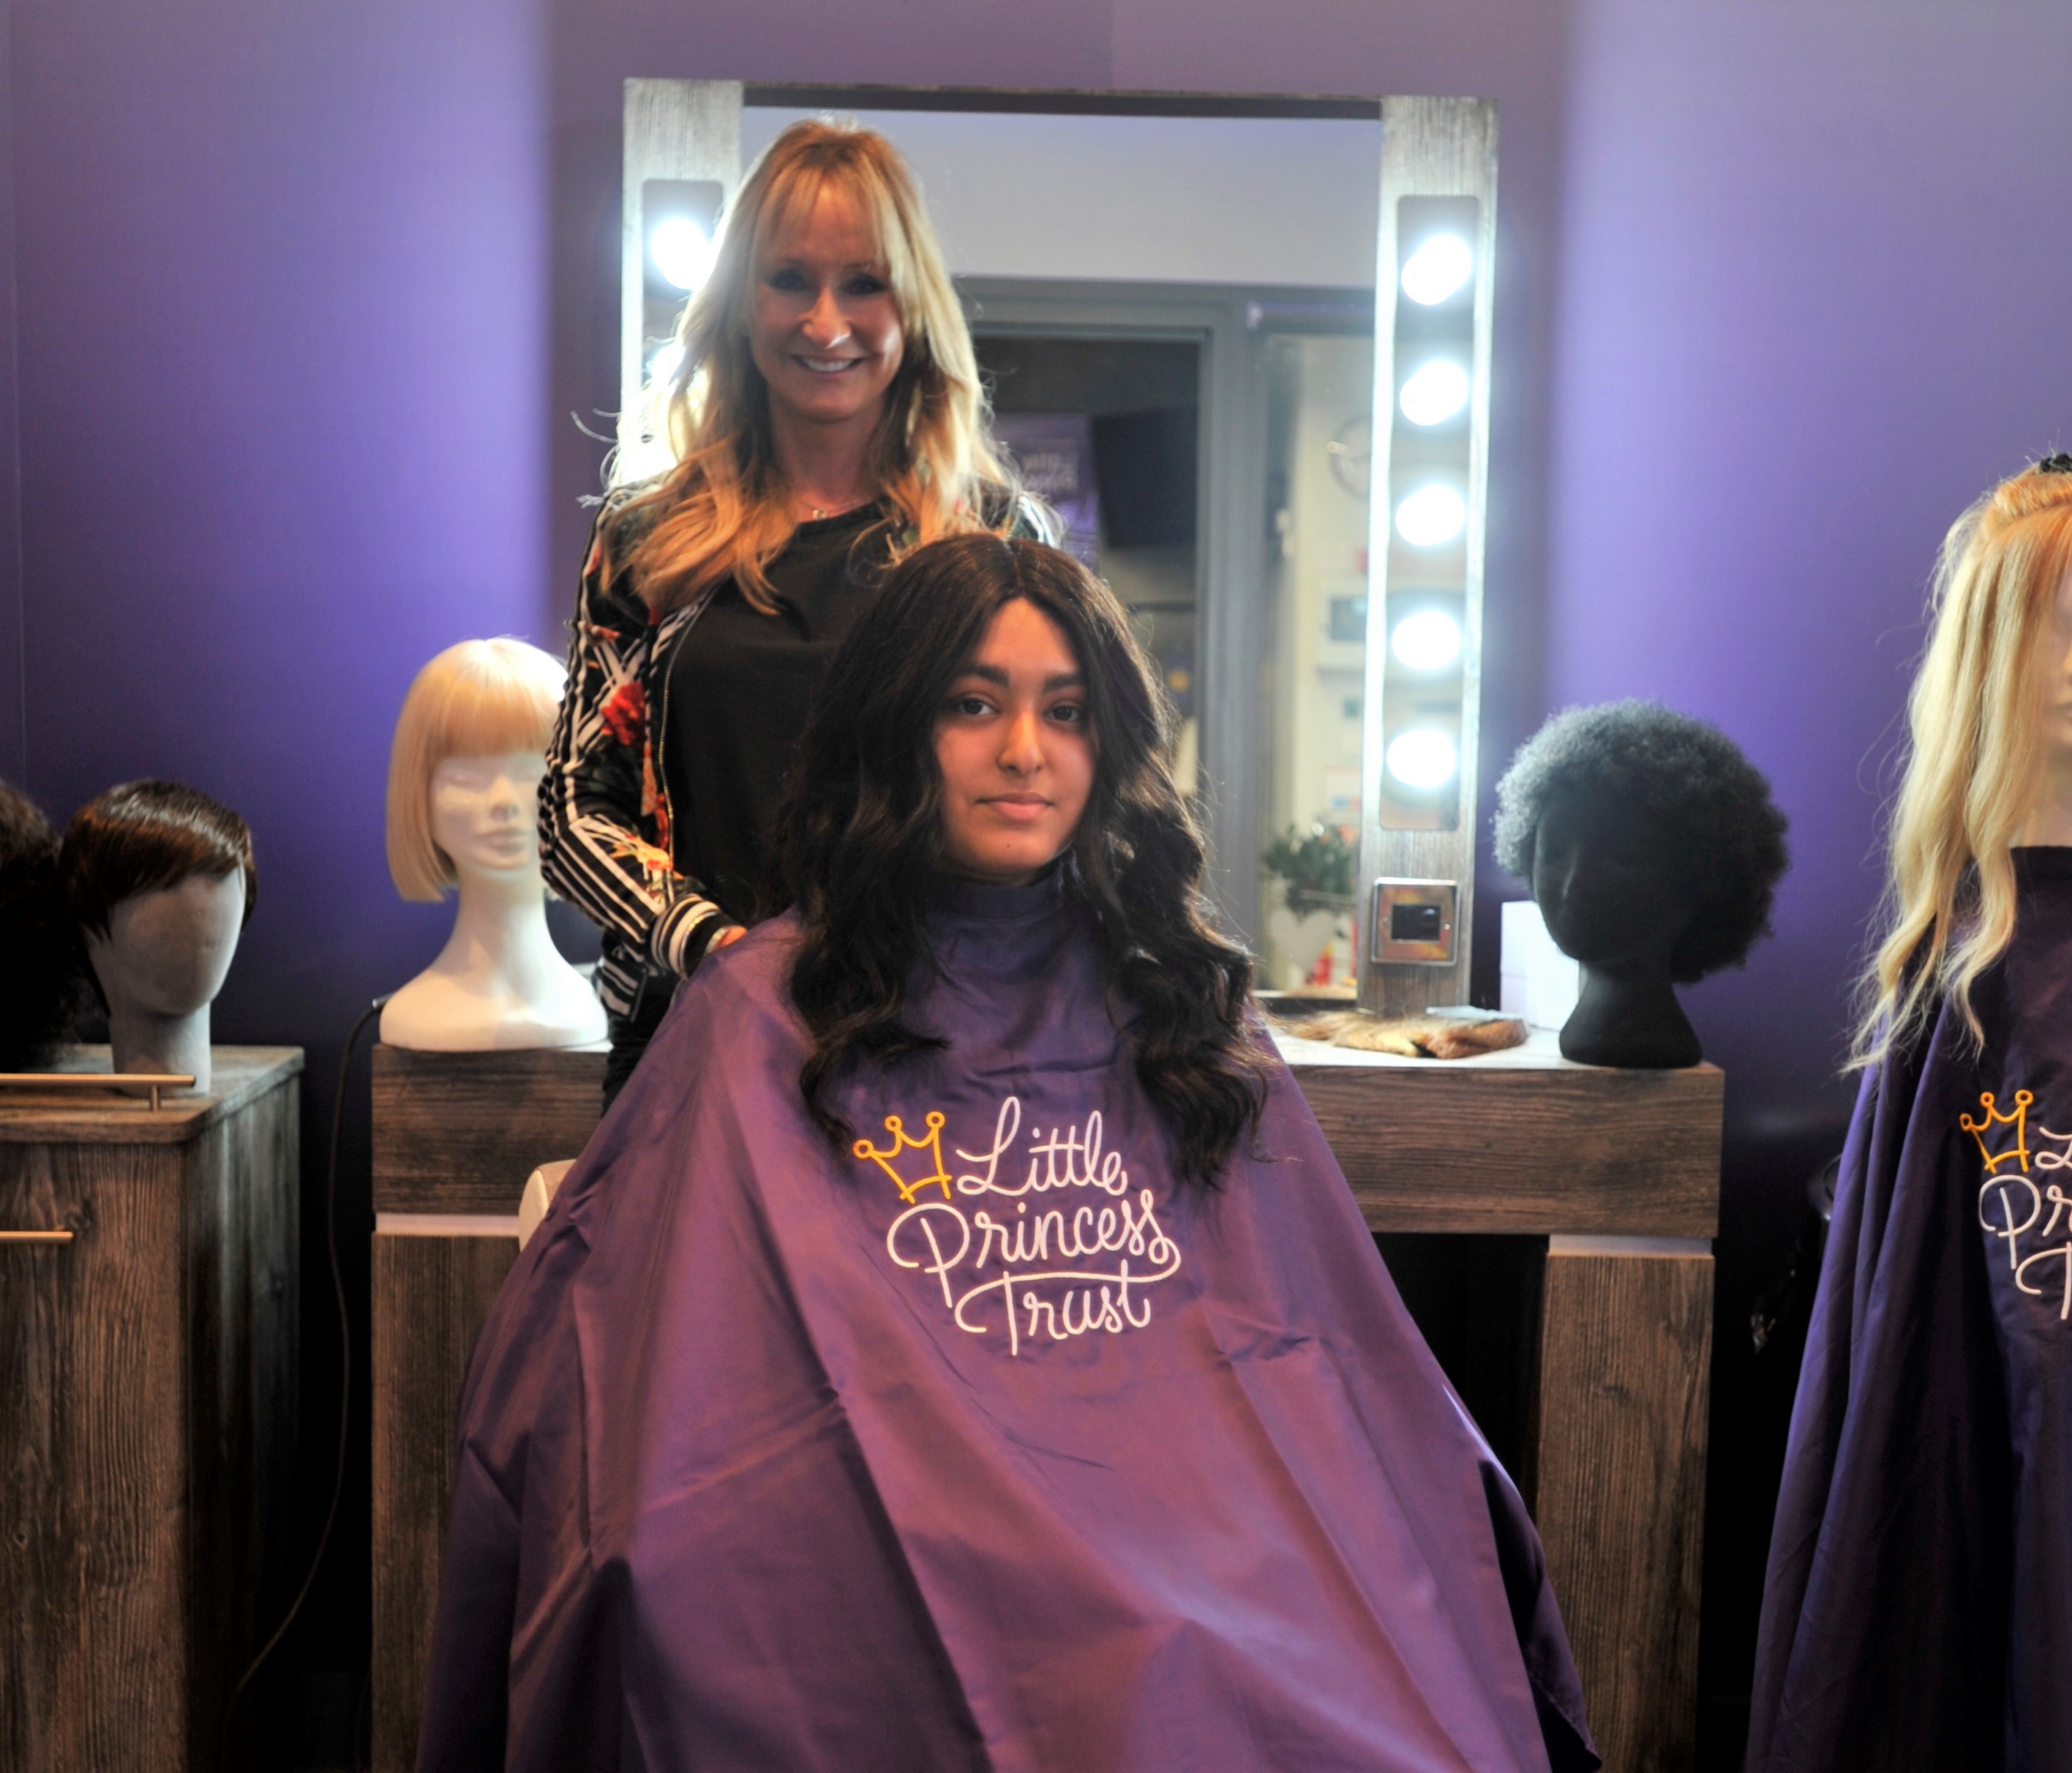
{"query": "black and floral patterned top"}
pixel 663 857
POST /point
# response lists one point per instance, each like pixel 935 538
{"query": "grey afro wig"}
pixel 1682 772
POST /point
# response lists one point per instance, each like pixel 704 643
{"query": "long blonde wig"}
pixel 724 509
pixel 1975 759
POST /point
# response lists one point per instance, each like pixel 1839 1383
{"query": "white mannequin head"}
pixel 463 812
pixel 463 772
pixel 160 882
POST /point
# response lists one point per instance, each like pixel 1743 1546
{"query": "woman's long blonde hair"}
pixel 1975 760
pixel 724 509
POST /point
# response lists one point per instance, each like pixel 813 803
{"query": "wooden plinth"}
pixel 147 1413
pixel 1618 1170
pixel 454 1136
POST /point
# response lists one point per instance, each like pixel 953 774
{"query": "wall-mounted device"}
pixel 1415 922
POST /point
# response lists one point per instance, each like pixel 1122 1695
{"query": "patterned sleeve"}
pixel 604 838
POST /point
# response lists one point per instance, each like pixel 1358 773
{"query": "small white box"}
pixel 1540 983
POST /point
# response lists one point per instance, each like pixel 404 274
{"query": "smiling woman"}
pixel 825 415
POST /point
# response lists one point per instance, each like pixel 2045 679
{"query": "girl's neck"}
pixel 826 466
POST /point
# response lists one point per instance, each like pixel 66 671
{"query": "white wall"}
pixel 1166 199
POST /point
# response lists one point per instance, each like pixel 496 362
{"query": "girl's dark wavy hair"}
pixel 861 835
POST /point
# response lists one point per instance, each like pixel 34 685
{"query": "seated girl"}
pixel 958 1348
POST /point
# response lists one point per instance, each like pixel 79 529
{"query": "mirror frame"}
pixel 687 128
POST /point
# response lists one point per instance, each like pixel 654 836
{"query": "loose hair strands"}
pixel 862 837
pixel 723 510
pixel 1973 762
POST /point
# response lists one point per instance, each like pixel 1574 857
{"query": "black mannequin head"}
pixel 1653 849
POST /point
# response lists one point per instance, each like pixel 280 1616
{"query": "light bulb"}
pixel 1421 758
pixel 1434 392
pixel 681 251
pixel 1430 516
pixel 1437 269
pixel 1428 640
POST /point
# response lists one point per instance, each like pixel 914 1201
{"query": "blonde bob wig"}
pixel 724 510
pixel 481 698
pixel 1975 759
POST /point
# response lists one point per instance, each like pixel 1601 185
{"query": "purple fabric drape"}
pixel 1918 1613
pixel 980 1444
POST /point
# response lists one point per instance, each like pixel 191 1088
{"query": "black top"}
pixel 738 690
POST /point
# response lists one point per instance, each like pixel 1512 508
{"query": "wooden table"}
pixel 147 1411
pixel 1617 1171
pixel 1620 1172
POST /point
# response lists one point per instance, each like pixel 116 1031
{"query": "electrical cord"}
pixel 345 1382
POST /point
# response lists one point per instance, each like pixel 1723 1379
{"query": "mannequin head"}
pixel 159 881
pixel 464 771
pixel 1989 739
pixel 1653 850
pixel 39 957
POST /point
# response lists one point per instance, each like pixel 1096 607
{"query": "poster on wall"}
pixel 1054 452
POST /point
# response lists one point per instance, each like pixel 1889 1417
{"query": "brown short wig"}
pixel 142 837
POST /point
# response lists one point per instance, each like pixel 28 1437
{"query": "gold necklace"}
pixel 819 513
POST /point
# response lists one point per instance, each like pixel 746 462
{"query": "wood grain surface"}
pixel 1626 1357
pixel 1433 1147
pixel 55 1118
pixel 459 1133
pixel 430 1296
pixel 146 1419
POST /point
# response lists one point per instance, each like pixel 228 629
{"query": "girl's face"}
pixel 1016 750
pixel 824 328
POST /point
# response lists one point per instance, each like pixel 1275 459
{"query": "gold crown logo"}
pixel 932 1144
pixel 2019 1120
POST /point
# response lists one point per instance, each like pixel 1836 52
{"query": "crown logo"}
pixel 901 1141
pixel 2019 1120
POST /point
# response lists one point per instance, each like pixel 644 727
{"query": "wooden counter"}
pixel 147 1411
pixel 1619 1171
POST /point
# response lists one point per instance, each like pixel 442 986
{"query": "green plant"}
pixel 1316 870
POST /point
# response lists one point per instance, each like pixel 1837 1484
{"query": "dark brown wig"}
pixel 144 836
pixel 42 969
pixel 861 835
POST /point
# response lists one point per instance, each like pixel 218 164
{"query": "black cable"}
pixel 345 1382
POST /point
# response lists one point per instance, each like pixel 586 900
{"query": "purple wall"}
pixel 12 758
pixel 1814 302
pixel 307 295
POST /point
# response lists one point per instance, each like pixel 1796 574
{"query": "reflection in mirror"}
pixel 1153 299
pixel 1319 447
pixel 1106 429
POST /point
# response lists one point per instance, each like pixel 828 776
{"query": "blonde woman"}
pixel 1918 1609
pixel 825 418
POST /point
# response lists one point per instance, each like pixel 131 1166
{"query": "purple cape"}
pixel 1918 1612
pixel 984 1444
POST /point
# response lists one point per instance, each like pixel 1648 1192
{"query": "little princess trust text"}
pixel 1062 1248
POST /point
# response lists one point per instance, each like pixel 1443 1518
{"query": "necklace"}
pixel 817 513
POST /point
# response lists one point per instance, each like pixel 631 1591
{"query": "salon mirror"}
pixel 1271 448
